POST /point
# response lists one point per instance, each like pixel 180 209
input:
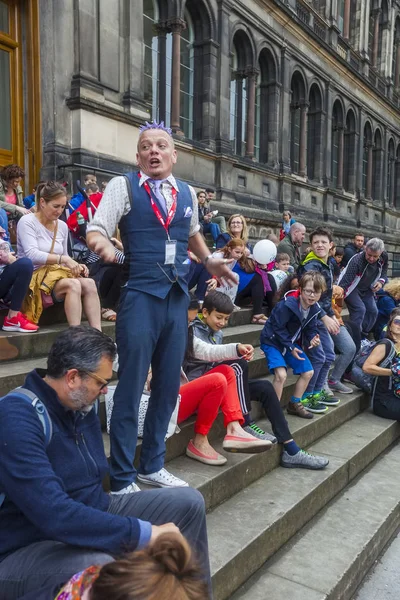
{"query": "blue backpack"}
pixel 43 416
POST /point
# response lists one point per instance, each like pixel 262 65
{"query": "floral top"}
pixel 78 586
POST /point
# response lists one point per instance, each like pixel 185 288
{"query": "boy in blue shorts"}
pixel 292 329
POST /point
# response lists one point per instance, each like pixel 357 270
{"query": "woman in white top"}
pixel 35 236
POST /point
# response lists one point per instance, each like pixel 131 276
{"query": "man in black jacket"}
pixel 353 248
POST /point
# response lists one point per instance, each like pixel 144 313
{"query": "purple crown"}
pixel 155 125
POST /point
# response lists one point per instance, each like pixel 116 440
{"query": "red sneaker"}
pixel 19 323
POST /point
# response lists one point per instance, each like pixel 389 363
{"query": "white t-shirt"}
pixel 279 277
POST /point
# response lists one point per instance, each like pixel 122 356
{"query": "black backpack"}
pixel 365 381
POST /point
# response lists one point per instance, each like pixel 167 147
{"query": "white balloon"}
pixel 264 252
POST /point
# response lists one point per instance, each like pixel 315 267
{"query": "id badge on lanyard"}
pixel 170 245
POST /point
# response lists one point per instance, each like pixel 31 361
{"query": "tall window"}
pixel 337 132
pixel 367 158
pixel 296 107
pixel 314 134
pixel 390 177
pixel 396 55
pixel 239 87
pixel 340 6
pixel 349 152
pixel 377 166
pixel 397 179
pixel 266 132
pixel 187 77
pixel 150 40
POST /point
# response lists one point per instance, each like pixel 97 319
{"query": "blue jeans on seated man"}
pixel 212 228
pixel 30 572
pixel 321 359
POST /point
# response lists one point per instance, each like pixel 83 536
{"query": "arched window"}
pixel 354 23
pixel 349 174
pixel 187 106
pixel 397 179
pixel 241 79
pixel 377 166
pixel 396 55
pixel 150 41
pixel 314 134
pixel 378 34
pixel 367 162
pixel 298 125
pixel 265 134
pixel 337 145
pixel 390 179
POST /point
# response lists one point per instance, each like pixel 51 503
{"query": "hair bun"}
pixel 173 552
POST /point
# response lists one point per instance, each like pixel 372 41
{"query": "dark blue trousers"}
pixel 321 357
pixel 149 331
pixel 362 309
pixel 198 276
pixel 212 228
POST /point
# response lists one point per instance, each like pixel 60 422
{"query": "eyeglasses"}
pixel 236 223
pixel 310 292
pixel 396 321
pixel 104 382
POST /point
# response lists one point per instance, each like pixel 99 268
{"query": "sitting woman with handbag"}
pixel 384 364
pixel 42 237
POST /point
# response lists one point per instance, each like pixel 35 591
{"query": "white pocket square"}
pixel 188 212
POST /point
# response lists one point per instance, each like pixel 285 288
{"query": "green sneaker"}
pixel 312 404
pixel 324 398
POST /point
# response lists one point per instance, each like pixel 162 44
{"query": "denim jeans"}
pixel 50 564
pixel 346 349
pixel 321 359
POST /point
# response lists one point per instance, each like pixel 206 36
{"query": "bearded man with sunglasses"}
pixel 55 518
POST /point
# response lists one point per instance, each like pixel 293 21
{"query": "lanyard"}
pixel 156 210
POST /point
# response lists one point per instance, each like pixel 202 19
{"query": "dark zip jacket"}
pixel 56 493
pixel 313 263
pixel 284 327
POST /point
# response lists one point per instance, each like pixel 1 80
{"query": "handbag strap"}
pixel 54 238
pixel 51 249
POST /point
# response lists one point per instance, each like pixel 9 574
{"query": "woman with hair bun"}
pixel 166 569
pixel 43 238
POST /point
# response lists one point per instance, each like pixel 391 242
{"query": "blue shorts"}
pixel 276 359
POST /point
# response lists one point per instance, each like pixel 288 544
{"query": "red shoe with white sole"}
pixel 19 323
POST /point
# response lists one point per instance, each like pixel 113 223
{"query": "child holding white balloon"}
pixel 253 278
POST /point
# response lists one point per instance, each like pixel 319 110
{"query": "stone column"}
pixel 392 182
pixel 346 19
pixel 376 14
pixel 162 30
pixel 223 79
pixel 251 75
pixel 176 26
pixel 284 127
pixel 340 156
pixel 239 76
pixel 327 133
pixel 396 185
pixel 396 74
pixel 359 152
pixel 303 139
pixel 370 148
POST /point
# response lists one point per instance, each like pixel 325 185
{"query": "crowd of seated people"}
pixel 298 300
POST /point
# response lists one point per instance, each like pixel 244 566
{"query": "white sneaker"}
pixel 129 489
pixel 162 479
pixel 328 390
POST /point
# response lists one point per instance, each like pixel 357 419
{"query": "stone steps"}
pixel 249 528
pixel 330 557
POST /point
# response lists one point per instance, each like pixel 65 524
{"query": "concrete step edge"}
pixel 351 532
pixel 246 530
pixel 217 484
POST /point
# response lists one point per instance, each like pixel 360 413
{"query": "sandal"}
pixel 260 320
pixel 107 314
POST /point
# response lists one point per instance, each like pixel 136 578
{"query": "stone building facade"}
pixel 275 103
